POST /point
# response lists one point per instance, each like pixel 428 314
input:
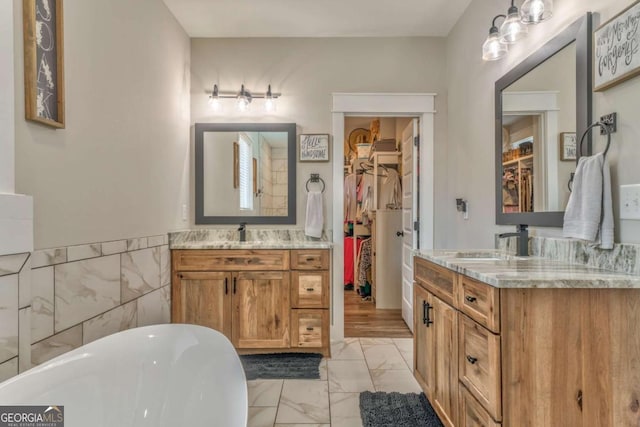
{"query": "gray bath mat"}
pixel 304 366
pixel 397 410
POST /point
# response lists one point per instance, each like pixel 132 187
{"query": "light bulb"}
pixel 214 102
pixel 512 28
pixel 536 11
pixel 492 49
pixel 243 103
pixel 270 105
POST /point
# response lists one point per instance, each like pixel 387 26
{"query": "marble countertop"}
pixel 507 271
pixel 256 239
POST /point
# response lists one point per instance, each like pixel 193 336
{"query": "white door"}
pixel 409 216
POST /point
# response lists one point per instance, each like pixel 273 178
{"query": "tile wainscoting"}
pixel 15 314
pixel 77 294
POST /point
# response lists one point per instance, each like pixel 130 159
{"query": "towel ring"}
pixel 315 177
pixel 605 128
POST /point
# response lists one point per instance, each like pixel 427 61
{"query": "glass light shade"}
pixel 492 49
pixel 512 28
pixel 269 104
pixel 536 11
pixel 214 102
pixel 243 103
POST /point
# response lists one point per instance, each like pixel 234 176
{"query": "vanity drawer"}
pixel 309 328
pixel 438 280
pixel 230 260
pixel 472 414
pixel 309 259
pixel 479 301
pixel 479 364
pixel 310 289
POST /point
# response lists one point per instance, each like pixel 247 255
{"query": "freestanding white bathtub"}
pixel 160 376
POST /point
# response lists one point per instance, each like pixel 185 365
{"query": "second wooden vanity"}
pixel 263 300
pixel 525 355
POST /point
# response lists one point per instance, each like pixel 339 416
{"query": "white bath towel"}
pixel 589 214
pixel 315 220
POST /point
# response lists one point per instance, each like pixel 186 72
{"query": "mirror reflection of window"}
pixel 246 173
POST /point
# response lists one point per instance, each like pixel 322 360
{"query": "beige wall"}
pixel 307 71
pixel 471 82
pixel 119 169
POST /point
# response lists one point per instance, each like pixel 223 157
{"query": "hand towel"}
pixel 315 220
pixel 589 213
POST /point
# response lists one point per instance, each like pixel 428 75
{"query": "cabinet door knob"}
pixel 310 289
pixel 470 298
pixel 472 360
pixel 181 276
pixel 399 233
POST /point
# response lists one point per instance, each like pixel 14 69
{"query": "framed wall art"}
pixel 616 57
pixel 44 61
pixel 568 147
pixel 314 147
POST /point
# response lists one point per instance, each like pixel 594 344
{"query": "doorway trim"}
pixel 419 105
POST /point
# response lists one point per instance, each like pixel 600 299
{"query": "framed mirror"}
pixel 542 107
pixel 245 172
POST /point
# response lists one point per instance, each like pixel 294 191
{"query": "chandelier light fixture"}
pixel 243 98
pixel 514 27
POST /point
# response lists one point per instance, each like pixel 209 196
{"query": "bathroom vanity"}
pixel 508 341
pixel 264 295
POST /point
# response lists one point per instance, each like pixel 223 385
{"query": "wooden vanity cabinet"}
pixel 254 298
pixel 529 357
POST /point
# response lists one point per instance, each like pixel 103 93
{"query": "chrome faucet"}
pixel 522 234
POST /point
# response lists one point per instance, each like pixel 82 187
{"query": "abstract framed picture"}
pixel 44 62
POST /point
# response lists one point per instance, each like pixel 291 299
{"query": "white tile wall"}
pixel 8 317
pixel 119 319
pixel 56 345
pixel 155 307
pixel 140 272
pixel 42 304
pixel 75 253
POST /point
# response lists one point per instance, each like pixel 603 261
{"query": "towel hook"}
pixel 315 177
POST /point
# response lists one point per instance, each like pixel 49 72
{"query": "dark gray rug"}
pixel 303 366
pixel 397 410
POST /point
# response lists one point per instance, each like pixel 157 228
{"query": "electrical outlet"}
pixel 611 120
pixel 184 212
pixel 630 201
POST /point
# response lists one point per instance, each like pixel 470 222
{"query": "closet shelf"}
pixel 519 159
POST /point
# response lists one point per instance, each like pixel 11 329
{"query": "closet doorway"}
pixel 380 192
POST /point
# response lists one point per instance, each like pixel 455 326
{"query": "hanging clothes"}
pixel 349 274
pixel 364 261
pixel 350 197
pixel 390 190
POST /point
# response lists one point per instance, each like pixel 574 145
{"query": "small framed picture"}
pixel 314 147
pixel 568 147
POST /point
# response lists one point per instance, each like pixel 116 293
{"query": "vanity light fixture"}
pixel 536 11
pixel 493 49
pixel 243 98
pixel 512 29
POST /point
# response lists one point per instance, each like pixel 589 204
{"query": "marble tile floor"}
pixel 356 365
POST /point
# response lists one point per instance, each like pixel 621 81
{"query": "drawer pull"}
pixel 425 313
pixel 235 283
pixel 226 285
pixel 579 399
pixel 310 289
pixel 470 298
pixel 472 360
pixel 310 259
pixel 309 329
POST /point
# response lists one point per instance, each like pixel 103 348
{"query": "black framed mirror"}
pixel 245 172
pixel 542 107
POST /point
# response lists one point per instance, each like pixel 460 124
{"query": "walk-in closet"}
pixel 373 223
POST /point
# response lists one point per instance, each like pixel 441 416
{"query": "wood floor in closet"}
pixel 361 319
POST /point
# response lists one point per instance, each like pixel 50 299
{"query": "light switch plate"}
pixel 630 201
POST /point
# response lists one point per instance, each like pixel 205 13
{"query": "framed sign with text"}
pixel 44 62
pixel 616 45
pixel 314 147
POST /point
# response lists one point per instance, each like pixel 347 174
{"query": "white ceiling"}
pixel 317 18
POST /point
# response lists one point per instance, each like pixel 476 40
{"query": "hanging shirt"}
pixel 390 190
pixel 350 197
